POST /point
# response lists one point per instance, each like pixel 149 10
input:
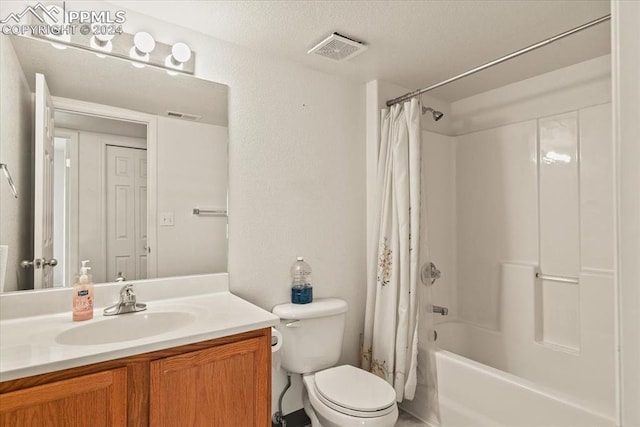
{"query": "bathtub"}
pixel 474 394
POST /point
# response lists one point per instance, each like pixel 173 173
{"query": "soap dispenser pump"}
pixel 83 294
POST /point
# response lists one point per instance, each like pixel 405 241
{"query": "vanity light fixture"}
pixel 140 49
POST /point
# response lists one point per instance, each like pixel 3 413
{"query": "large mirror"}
pixel 132 174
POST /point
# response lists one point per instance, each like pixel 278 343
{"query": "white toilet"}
pixel 341 396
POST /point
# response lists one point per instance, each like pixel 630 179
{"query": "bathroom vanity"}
pixel 213 369
pixel 226 381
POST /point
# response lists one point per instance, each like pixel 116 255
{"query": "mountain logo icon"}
pixel 40 11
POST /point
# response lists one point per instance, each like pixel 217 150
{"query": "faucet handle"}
pixel 127 302
pixel 127 294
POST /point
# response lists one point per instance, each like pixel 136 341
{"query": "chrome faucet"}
pixel 440 310
pixel 127 303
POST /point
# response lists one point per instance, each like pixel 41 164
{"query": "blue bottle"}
pixel 301 289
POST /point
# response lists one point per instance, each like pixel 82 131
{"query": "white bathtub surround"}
pixel 551 179
pixel 391 319
pixel 32 322
pixel 583 377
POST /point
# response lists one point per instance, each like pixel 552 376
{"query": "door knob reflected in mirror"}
pixel 37 263
pixel 26 263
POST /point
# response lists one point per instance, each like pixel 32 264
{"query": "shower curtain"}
pixel 390 346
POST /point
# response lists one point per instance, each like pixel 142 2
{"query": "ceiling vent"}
pixel 183 116
pixel 338 48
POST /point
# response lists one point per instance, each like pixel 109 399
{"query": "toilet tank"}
pixel 311 334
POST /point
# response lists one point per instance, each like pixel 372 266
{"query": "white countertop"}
pixel 28 344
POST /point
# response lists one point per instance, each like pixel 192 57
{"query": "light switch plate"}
pixel 166 219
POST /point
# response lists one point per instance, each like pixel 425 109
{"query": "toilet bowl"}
pixel 345 396
pixel 333 396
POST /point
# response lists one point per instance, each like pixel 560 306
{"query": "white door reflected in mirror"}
pixel 126 212
pixel 43 187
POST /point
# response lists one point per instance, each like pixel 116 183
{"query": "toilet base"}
pixel 327 417
pixel 308 409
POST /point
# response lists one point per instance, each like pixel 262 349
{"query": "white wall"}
pixel 16 150
pixel 192 172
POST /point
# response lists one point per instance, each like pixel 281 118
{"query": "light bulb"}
pixel 181 53
pixel 144 43
pixel 102 42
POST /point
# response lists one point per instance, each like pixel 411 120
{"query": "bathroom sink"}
pixel 125 327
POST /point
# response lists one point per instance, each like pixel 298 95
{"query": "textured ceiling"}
pixel 411 43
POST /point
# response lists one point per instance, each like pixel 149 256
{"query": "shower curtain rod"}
pixel 517 53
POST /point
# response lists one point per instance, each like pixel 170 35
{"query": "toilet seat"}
pixel 354 392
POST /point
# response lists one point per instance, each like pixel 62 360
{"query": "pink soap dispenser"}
pixel 83 295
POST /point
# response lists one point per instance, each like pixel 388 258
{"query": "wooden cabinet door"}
pixel 93 400
pixel 224 386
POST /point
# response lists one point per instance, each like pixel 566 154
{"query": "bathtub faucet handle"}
pixel 440 310
pixel 429 273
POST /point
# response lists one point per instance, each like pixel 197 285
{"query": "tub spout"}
pixel 440 310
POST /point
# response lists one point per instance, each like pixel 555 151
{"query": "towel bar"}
pixel 198 211
pixel 561 279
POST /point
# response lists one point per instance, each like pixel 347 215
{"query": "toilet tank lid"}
pixel 320 307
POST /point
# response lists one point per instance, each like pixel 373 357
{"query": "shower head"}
pixel 437 115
